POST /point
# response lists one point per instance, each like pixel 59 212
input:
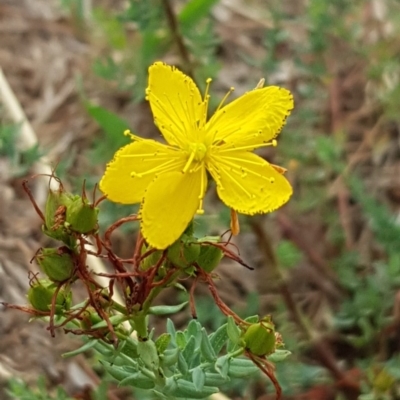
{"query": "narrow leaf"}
pixel 206 348
pixel 241 368
pixel 165 310
pixel 222 365
pixel 219 338
pixel 198 377
pixel 88 345
pixel 233 331
pixel 189 350
pixel 182 365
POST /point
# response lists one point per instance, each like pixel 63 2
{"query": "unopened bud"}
pixel 57 264
pixel 183 254
pixel 55 215
pixel 40 296
pixel 209 257
pixel 81 216
pixel 259 338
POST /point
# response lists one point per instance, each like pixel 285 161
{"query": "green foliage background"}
pixel 360 326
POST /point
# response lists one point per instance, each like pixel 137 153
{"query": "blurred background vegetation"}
pixel 327 265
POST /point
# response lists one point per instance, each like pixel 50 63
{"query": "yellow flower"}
pixel 170 180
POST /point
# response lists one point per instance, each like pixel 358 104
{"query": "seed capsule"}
pixel 41 293
pixel 57 264
pixel 55 215
pixel 183 254
pixel 259 338
pixel 209 257
pixel 81 216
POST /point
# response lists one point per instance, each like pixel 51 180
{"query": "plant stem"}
pixel 177 36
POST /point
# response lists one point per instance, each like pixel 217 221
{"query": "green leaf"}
pixel 163 342
pixel 129 348
pixel 165 310
pixel 138 380
pixel 117 373
pixel 241 368
pixel 180 340
pixel 113 127
pixel 189 350
pixel 253 319
pixel 148 354
pixel 206 348
pixel 182 365
pixel 214 379
pixel 106 352
pixel 194 330
pixel 219 338
pixel 88 345
pixel 222 365
pixel 234 331
pixel 169 357
pixel 171 329
pixel 111 123
pixel 194 11
pixel 115 320
pixel 198 377
pixel 187 389
pixel 279 355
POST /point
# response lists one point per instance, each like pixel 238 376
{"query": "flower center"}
pixel 197 152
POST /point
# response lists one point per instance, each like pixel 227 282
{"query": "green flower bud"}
pixel 209 257
pixel 183 254
pixel 259 338
pixel 81 217
pixel 55 214
pixel 41 293
pixel 57 264
pixel 55 208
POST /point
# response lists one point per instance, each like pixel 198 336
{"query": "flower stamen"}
pixel 189 161
pixel 232 147
pixel 169 165
pixel 243 170
pixel 200 210
pixel 231 89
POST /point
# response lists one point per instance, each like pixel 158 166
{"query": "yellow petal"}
pixel 176 104
pixel 135 166
pixel 169 204
pixel 247 183
pixel 256 117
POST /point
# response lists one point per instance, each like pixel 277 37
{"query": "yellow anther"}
pixel 260 84
pixel 274 142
